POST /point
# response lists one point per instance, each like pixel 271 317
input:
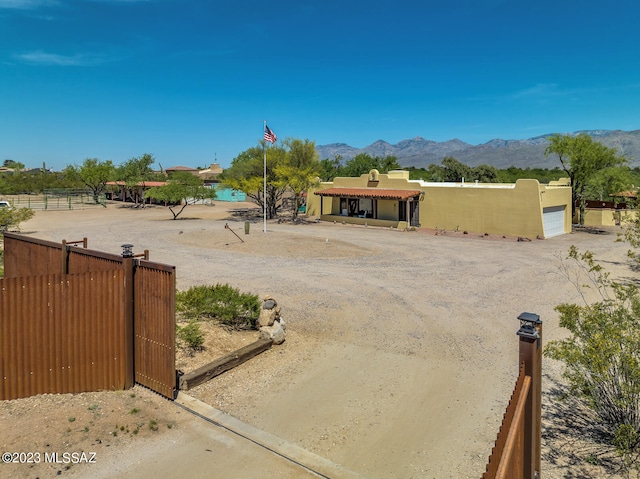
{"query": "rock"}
pixel 267 317
pixel 274 333
pixel 269 304
pixel 283 325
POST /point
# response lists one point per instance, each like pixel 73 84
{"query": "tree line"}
pixel 292 166
pixel 179 189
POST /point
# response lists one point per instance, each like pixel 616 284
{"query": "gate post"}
pixel 127 264
pixel 530 333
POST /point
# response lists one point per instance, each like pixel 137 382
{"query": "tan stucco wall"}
pixel 388 210
pixel 505 209
pixel 600 217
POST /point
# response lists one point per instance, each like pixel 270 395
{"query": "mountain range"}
pixel 529 153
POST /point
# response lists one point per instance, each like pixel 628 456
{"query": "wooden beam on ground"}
pixel 220 365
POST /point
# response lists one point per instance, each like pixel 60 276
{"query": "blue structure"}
pixel 227 194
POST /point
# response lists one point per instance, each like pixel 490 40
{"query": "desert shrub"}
pixel 10 218
pixel 191 335
pixel 220 302
pixel 602 354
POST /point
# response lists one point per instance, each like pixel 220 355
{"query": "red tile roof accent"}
pixel 627 194
pixel 379 193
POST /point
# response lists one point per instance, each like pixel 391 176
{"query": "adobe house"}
pixel 525 208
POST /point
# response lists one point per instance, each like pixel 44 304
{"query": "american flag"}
pixel 269 135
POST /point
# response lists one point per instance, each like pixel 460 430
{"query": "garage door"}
pixel 553 219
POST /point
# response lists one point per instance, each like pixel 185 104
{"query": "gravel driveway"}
pixel 401 350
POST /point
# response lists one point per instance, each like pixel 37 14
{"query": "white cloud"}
pixel 32 4
pixel 537 91
pixel 26 4
pixel 43 58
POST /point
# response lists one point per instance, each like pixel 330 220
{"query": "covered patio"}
pixel 373 206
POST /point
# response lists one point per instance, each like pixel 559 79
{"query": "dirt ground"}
pixel 400 356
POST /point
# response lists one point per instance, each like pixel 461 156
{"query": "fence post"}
pixel 65 257
pixel 530 333
pixel 127 264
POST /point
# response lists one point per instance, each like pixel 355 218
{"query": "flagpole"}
pixel 264 185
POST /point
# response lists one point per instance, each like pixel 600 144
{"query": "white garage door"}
pixel 553 219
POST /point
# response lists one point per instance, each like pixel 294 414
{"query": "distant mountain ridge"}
pixel 529 153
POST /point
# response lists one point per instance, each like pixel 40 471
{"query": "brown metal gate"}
pixel 155 327
pixel 134 323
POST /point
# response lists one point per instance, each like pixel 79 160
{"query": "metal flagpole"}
pixel 264 185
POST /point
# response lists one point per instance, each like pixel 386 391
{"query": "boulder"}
pixel 267 317
pixel 273 332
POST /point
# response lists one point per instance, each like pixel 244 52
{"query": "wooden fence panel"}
pixel 155 327
pixel 62 333
pixel 506 455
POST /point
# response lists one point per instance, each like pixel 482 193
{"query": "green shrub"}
pixel 10 218
pixel 602 353
pixel 220 302
pixel 191 335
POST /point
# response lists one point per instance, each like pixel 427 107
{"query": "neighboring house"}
pixel 525 208
pixel 188 169
pixel 210 175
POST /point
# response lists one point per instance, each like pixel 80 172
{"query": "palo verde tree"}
pixel 246 174
pixel 181 190
pixel 584 159
pixel 602 353
pixel 93 173
pixel 300 169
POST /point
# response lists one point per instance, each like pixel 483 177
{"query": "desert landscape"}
pixel 400 356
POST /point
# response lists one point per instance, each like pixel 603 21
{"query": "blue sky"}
pixel 191 82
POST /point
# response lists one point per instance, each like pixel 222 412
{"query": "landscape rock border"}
pixel 272 331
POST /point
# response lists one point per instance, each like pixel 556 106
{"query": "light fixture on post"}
pixel 127 250
pixel 529 324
